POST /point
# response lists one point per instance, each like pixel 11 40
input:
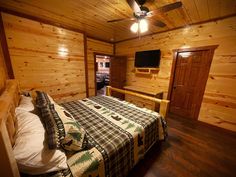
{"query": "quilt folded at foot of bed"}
pixel 118 134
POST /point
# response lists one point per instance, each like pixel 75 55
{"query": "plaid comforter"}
pixel 118 134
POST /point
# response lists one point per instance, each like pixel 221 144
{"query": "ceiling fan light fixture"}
pixel 143 25
pixel 134 27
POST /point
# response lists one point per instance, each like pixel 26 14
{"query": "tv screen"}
pixel 147 59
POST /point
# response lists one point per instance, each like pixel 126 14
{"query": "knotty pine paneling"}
pixel 46 58
pixel 95 46
pixel 219 103
pixel 3 70
pixel 92 16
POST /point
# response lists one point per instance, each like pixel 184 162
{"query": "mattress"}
pixel 118 134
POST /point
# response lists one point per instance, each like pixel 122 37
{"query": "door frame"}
pixel 211 48
pixel 94 61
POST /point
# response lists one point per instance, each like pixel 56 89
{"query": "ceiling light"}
pixel 134 27
pixel 141 26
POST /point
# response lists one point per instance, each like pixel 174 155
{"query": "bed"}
pixel 118 134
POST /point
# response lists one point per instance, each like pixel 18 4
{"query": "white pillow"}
pixel 26 103
pixel 31 151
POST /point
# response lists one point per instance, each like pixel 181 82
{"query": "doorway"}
pixel 190 70
pixel 102 73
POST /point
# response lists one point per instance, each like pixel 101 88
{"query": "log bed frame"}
pixel 9 100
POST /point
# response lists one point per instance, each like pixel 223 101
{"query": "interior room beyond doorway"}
pixel 102 73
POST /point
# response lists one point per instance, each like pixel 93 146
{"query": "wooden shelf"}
pixel 146 70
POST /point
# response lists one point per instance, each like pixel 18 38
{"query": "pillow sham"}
pixel 61 127
pixel 31 152
pixel 43 99
pixel 74 133
pixel 26 103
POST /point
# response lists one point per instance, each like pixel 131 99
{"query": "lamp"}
pixel 141 26
pixel 134 27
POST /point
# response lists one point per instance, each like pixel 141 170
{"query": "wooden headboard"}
pixel 9 99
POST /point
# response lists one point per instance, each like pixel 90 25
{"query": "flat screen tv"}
pixel 147 59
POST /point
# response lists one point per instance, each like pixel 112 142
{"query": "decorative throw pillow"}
pixel 74 133
pixel 53 125
pixel 61 127
pixel 42 99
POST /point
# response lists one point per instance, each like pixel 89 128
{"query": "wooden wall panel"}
pixel 3 70
pixel 219 103
pixel 46 58
pixel 95 46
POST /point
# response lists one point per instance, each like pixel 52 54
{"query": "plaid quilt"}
pixel 118 134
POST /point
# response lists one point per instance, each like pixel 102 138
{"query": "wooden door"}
pixel 118 74
pixel 191 69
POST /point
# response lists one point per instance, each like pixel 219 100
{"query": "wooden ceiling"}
pixel 91 16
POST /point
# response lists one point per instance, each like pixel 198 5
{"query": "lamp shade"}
pixel 141 26
pixel 134 27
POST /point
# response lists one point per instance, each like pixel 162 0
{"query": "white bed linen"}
pixel 31 150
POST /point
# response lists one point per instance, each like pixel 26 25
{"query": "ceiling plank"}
pixel 91 16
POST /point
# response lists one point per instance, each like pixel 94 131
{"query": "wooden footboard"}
pixel 164 104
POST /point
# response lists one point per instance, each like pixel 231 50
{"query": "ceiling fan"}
pixel 141 12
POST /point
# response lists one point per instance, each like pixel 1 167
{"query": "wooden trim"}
pixel 5 50
pixel 172 75
pixel 86 64
pixel 164 104
pixel 98 39
pixel 97 53
pixel 49 22
pixel 114 49
pixel 183 26
pixel 210 48
pixel 95 77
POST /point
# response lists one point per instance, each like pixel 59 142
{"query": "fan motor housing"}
pixel 142 13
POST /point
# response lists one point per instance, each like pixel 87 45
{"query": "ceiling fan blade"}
pixel 121 19
pixel 165 8
pixel 134 5
pixel 158 23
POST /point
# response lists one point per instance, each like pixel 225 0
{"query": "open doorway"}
pixel 102 73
